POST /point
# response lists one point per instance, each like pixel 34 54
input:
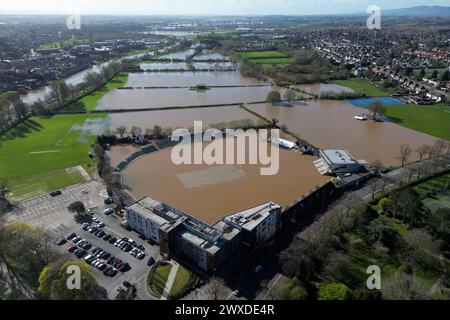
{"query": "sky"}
pixel 204 7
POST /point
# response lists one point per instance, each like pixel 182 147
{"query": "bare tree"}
pixel 121 131
pixel 411 172
pixel 290 95
pixel 136 131
pixel 448 147
pixel 405 152
pixel 267 290
pixel 423 150
pixel 215 288
pixel 439 146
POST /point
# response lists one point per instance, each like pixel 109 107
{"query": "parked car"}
pixel 71 236
pixel 258 268
pixel 107 237
pixel 124 267
pixel 150 261
pixel 112 273
pixel 112 240
pixel 126 284
pixel 107 269
pixel 72 248
pixel 140 255
pixel 61 241
pixel 76 239
pixel 85 191
pixel 108 211
pixel 56 193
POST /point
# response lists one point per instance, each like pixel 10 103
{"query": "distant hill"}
pixel 419 11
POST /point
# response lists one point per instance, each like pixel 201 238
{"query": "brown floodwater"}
pixel 156 66
pixel 183 118
pixel 160 98
pixel 331 124
pixel 117 154
pixel 212 192
pixel 186 79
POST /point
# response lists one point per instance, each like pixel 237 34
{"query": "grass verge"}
pixel 362 87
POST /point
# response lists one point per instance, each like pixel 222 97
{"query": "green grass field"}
pixel 362 87
pixel 433 120
pixel 160 278
pixel 181 281
pixel 89 102
pixel 272 61
pixel 266 57
pixel 35 154
pixel 262 54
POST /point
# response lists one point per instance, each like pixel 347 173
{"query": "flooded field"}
pixel 186 79
pixel 158 66
pixel 160 98
pixel 178 118
pixel 210 56
pixel 319 88
pixel 212 192
pixel 216 66
pixel 331 124
pixel 179 55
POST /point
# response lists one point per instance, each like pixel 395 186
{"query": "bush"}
pixel 292 289
pixel 333 291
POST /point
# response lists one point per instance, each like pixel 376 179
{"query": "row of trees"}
pixel 13 110
pixel 425 152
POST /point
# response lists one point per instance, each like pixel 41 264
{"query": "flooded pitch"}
pixel 212 192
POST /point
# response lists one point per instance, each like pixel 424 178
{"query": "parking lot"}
pixel 138 267
pixel 51 214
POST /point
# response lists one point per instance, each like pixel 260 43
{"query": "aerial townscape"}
pixel 329 131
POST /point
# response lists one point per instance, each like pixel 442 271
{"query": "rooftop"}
pixel 250 218
pixel 338 156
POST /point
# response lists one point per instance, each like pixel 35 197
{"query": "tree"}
pixel 439 146
pixel 380 230
pixel 136 131
pixel 300 259
pixel 290 95
pixel 215 288
pixel 407 205
pixel 421 75
pixel 77 207
pixel 24 251
pixel 423 150
pixel 439 224
pixel 122 130
pixel 292 289
pixel 274 122
pixel 54 277
pixel 157 131
pixel 434 74
pixel 378 110
pixel 273 96
pixel 445 76
pixel 333 291
pixel 405 152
